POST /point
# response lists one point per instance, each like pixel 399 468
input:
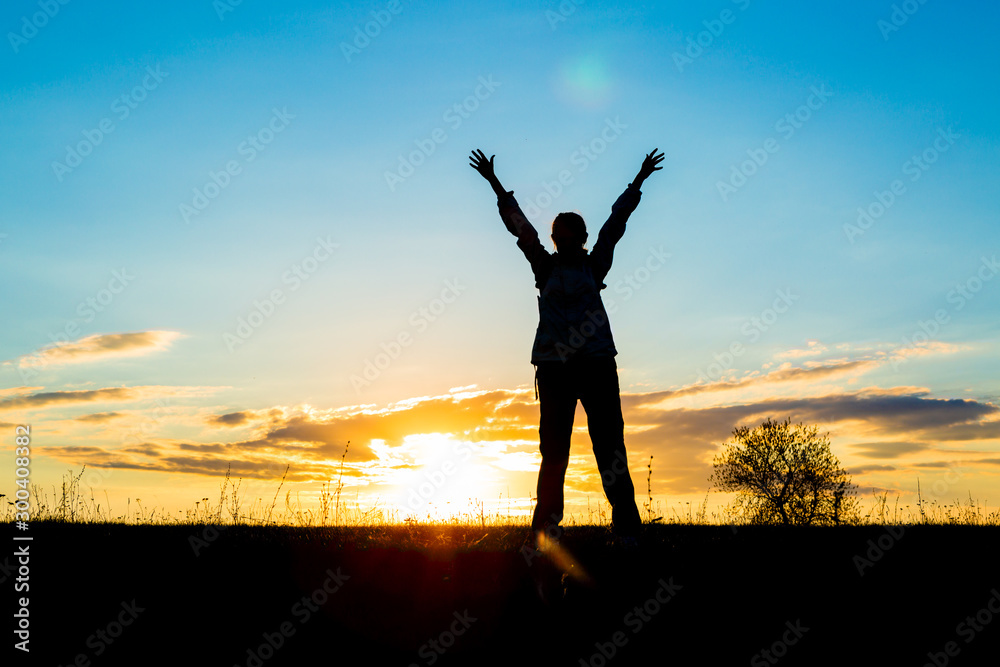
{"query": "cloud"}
pixel 99 417
pixel 502 426
pixel 313 441
pixel 927 349
pixel 45 398
pixel 814 347
pixel 881 352
pixel 231 418
pixel 973 430
pixel 100 347
pixel 785 373
pixel 106 395
pixel 934 464
pixel 18 391
pixel 861 470
pixel 144 449
pixel 684 440
pixel 888 450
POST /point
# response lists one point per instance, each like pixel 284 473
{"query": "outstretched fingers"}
pixel 478 161
pixel 477 157
pixel 652 159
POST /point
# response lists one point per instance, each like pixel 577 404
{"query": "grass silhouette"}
pixel 69 503
pixel 248 565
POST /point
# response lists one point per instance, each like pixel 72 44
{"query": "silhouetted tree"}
pixel 785 474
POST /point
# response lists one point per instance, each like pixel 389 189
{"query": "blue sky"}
pixel 329 122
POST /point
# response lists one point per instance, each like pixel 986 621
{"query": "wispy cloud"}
pixel 100 347
pixel 98 417
pixel 928 349
pixel 231 418
pixel 888 450
pixel 812 349
pixel 786 373
pixel 44 399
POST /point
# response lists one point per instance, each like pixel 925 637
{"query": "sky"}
pixel 238 236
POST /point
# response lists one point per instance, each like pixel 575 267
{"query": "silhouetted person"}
pixel 574 353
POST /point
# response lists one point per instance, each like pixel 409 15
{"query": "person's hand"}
pixel 482 165
pixel 649 166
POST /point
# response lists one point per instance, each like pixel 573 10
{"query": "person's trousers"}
pixel 594 382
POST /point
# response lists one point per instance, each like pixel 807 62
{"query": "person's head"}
pixel 569 231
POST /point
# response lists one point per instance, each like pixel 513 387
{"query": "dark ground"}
pixel 732 594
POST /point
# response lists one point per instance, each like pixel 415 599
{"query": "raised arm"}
pixel 513 218
pixel 479 162
pixel 614 228
pixel 648 167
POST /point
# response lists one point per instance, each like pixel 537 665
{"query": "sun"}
pixel 443 478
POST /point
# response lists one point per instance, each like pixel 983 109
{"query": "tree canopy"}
pixel 785 474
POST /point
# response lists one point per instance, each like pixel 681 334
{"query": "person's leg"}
pixel 601 399
pixel 557 402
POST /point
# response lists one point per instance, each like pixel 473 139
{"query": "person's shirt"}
pixel 572 321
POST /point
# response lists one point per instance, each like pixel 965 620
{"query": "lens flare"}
pixel 585 81
pixel 562 558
